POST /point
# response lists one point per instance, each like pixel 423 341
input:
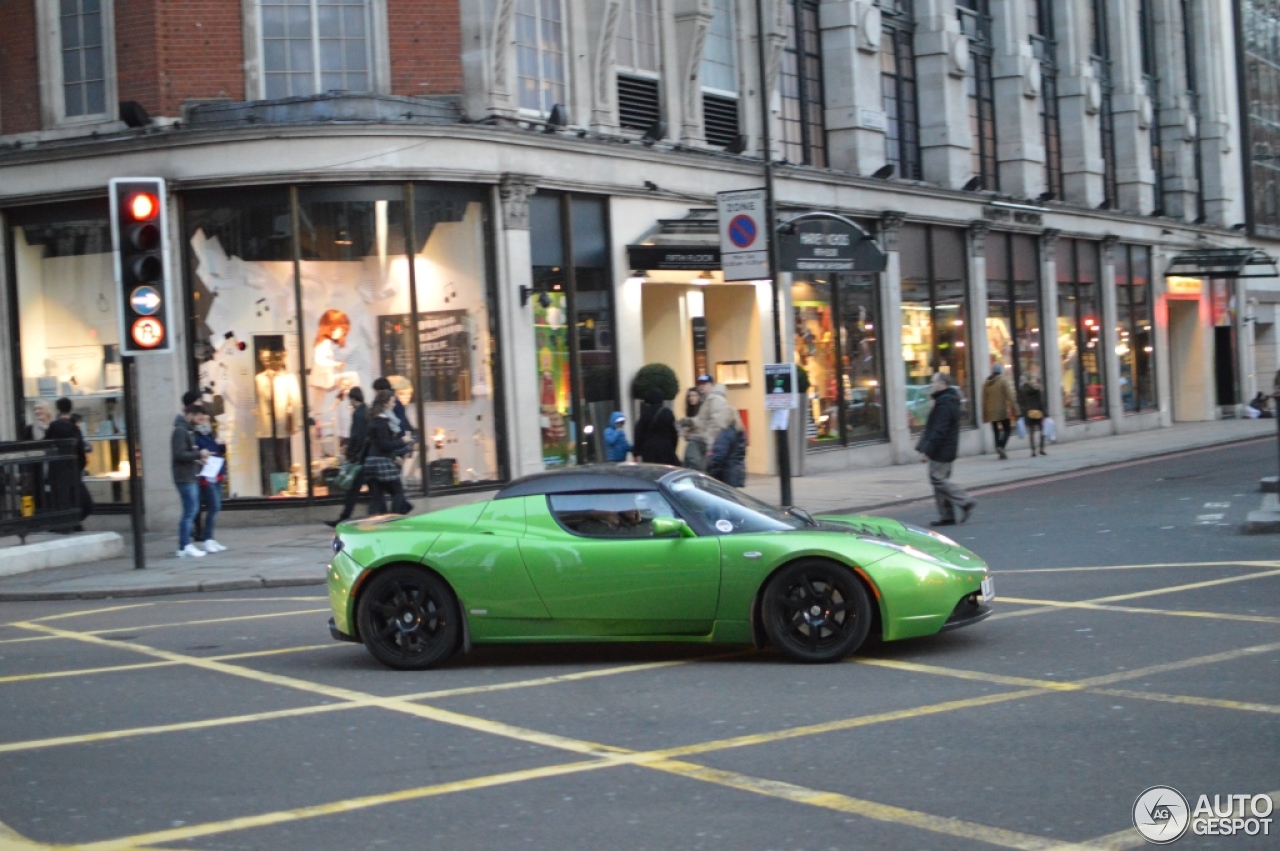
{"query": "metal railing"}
pixel 39 487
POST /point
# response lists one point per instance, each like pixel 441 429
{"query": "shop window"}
pixel 573 326
pixel 935 316
pixel 1135 340
pixel 837 344
pixel 68 336
pixel 1084 391
pixel 280 370
pixel 1013 307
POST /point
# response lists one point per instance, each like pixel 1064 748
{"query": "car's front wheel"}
pixel 408 618
pixel 816 611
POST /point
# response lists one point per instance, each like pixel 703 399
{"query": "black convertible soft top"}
pixel 599 478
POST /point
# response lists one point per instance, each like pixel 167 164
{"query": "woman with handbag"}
pixel 351 476
pixel 1031 401
pixel 386 443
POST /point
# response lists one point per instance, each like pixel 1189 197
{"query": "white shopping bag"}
pixel 1050 430
pixel 1022 427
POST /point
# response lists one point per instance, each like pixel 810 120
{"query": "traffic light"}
pixel 139 239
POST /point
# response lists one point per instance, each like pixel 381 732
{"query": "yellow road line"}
pixel 1191 700
pixel 1103 568
pixel 1174 589
pixel 1166 667
pixel 108 610
pixel 115 669
pixel 148 627
pixel 959 673
pixel 1139 611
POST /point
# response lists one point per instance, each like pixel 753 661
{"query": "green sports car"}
pixel 642 552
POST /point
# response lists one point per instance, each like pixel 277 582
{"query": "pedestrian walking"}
pixel 1031 401
pixel 939 445
pixel 695 445
pixel 999 407
pixel 727 460
pixel 357 443
pixel 210 482
pixel 616 445
pixel 715 413
pixel 656 435
pixel 187 458
pixel 386 443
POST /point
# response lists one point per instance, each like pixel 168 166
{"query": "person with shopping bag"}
pixel 1031 402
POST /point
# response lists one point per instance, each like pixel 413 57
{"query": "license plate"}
pixel 988 590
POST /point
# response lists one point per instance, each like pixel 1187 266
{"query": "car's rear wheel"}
pixel 408 618
pixel 816 611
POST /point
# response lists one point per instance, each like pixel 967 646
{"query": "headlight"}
pixel 337 544
pixel 937 536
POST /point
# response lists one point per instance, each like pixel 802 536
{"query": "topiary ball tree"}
pixel 657 376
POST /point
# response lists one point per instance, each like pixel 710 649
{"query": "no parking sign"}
pixel 744 235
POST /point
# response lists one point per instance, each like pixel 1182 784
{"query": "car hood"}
pixel 898 534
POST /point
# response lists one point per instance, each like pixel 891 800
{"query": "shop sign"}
pixel 780 387
pixel 826 242
pixel 1179 285
pixel 744 235
pixel 693 258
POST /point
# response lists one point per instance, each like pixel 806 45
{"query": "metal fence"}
pixel 39 487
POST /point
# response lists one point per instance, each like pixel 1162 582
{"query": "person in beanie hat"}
pixel 939 445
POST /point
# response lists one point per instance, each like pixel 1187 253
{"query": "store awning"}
pixel 1223 263
pixel 691 243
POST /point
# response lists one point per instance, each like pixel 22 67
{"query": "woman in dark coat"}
pixel 656 432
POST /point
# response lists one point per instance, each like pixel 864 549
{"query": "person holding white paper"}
pixel 212 475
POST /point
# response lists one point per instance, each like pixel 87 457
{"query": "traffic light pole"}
pixel 782 437
pixel 137 508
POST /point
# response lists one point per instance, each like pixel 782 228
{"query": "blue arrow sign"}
pixel 145 301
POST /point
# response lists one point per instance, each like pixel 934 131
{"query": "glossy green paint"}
pixel 520 576
pixel 638 581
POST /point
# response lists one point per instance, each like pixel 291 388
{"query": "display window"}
pixel 66 325
pixel 1135 342
pixel 1013 308
pixel 1084 391
pixel 836 343
pixel 301 295
pixel 572 307
pixel 935 317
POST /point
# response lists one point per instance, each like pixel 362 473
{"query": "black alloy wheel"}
pixel 816 611
pixel 408 618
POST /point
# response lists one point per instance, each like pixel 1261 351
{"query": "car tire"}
pixel 816 611
pixel 408 618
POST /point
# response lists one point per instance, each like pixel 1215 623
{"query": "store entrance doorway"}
pixel 1190 362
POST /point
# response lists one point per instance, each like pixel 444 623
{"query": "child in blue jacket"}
pixel 616 445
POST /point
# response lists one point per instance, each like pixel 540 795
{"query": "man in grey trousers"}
pixel 939 445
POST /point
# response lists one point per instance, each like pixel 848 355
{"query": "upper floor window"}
pixel 1189 35
pixel 719 74
pixel 803 124
pixel 1151 79
pixel 1044 44
pixel 975 22
pixel 1101 59
pixel 899 97
pixel 639 103
pixel 540 54
pixel 84 69
pixel 314 46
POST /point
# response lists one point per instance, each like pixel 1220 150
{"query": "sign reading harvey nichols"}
pixel 825 242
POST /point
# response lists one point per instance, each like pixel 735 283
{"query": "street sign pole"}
pixel 771 216
pixel 133 448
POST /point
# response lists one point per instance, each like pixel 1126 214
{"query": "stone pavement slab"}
pixel 273 556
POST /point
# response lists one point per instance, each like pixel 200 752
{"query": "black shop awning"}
pixel 1224 263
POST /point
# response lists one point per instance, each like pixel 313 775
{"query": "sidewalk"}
pixel 277 556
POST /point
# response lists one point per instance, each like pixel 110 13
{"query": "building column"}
pixel 902 445
pixel 854 109
pixel 942 64
pixel 1110 361
pixel 9 395
pixel 515 264
pixel 1160 339
pixel 979 347
pixel 1049 330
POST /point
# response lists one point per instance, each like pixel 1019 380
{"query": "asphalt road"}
pixel 1135 644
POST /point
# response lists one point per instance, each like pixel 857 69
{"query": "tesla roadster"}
pixel 642 552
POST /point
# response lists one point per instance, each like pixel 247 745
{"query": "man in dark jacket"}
pixel 357 442
pixel 187 459
pixel 939 445
pixel 65 478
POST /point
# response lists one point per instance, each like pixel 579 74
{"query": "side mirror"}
pixel 670 527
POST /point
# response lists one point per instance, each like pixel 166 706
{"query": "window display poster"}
pixel 444 352
pixel 551 338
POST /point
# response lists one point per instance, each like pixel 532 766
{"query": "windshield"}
pixel 727 510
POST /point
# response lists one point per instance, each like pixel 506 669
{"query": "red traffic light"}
pixel 142 206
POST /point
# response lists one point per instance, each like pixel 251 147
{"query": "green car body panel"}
pixel 520 576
